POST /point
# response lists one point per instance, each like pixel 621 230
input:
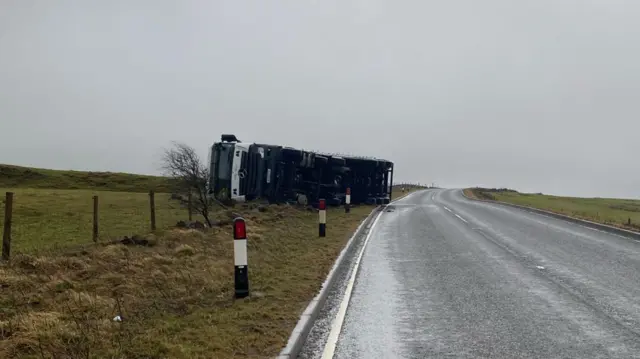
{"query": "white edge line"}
pixel 313 305
pixel 336 325
pixel 567 218
pixel 581 225
pixel 445 207
pixel 605 232
pixel 307 316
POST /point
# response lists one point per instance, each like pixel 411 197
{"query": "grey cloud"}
pixel 534 95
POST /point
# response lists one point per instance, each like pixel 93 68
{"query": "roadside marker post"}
pixel 322 218
pixel 6 236
pixel 240 258
pixel 347 201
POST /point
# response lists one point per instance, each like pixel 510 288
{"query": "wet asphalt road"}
pixel 446 277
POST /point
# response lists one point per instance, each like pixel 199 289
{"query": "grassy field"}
pixel 26 177
pixel 46 218
pixel 623 213
pixel 58 212
pixel 174 296
pixel 60 291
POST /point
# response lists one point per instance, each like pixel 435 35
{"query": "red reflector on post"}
pixel 322 205
pixel 239 229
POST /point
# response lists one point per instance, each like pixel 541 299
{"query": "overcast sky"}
pixel 537 95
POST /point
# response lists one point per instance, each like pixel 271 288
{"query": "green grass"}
pixel 60 291
pixel 26 177
pixel 176 297
pixel 46 218
pixel 610 211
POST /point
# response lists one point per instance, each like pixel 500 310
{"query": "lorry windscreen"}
pixel 224 161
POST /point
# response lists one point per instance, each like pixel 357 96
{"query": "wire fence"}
pixel 36 219
pixel 41 219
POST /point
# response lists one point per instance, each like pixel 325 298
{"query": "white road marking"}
pixel 450 211
pixel 336 325
pixel 582 225
pixel 567 220
pixel 540 267
pixel 605 232
pixel 462 219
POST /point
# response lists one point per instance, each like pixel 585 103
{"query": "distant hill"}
pixel 27 177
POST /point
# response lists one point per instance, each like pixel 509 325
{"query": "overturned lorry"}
pixel 243 172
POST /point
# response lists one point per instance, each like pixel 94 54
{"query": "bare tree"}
pixel 183 164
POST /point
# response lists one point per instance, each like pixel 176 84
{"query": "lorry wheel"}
pixel 302 200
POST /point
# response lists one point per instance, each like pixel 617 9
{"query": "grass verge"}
pixel 27 177
pixel 174 294
pixel 622 213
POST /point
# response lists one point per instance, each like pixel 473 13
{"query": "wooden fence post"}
pixel 6 236
pixel 152 207
pixel 95 218
pixel 190 207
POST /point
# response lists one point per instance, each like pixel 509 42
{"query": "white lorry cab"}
pixel 228 169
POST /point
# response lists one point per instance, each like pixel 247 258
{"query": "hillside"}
pixel 26 177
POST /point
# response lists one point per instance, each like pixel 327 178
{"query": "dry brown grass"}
pixel 469 192
pixel 175 297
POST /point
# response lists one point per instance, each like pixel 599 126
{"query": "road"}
pixel 445 277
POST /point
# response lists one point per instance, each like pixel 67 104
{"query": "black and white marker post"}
pixel 240 257
pixel 322 217
pixel 347 201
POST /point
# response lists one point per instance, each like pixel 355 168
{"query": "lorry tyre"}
pixel 302 199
